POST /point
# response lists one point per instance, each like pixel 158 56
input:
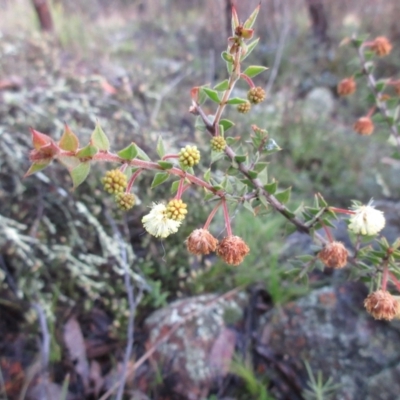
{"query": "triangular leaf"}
pixel 159 178
pixel 226 123
pixel 129 152
pixel 100 139
pixel 212 94
pixel 69 141
pixel 236 100
pixel 69 161
pixel 37 166
pixel 250 47
pixel 165 164
pixel 87 152
pixel 222 86
pixel 39 139
pixel 254 70
pixel 160 147
pixel 284 195
pixel 80 173
pixel 250 21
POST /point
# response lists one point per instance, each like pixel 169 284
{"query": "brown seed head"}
pixel 232 250
pixel 256 95
pixel 381 46
pixel 346 87
pixel 364 126
pixel 334 255
pixel 382 305
pixel 201 242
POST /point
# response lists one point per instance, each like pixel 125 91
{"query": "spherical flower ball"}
pixel 189 156
pixel 201 242
pixel 366 220
pixel 157 223
pixel 218 143
pixel 176 210
pixel 125 201
pixel 346 87
pixel 232 249
pixel 244 108
pixel 382 305
pixel 334 255
pixel 364 126
pixel 381 46
pixel 115 181
pixel 256 95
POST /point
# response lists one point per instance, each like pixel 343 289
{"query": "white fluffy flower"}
pixel 158 224
pixel 367 220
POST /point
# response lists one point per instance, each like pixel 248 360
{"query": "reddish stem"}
pixel 132 180
pixel 170 156
pixel 341 210
pixel 180 189
pixel 211 216
pixel 123 167
pixel 328 232
pixel 248 80
pixel 226 216
pixel 385 277
pixel 371 111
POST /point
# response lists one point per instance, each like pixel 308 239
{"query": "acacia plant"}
pixel 239 175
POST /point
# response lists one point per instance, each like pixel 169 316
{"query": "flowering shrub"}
pixel 245 182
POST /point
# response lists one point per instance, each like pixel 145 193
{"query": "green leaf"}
pixel 231 140
pixel 159 178
pixel 260 166
pixel 240 158
pixel 80 173
pixel 236 100
pixel 69 141
pixel 174 187
pixel 271 187
pixel 251 46
pixel 69 161
pixel 37 166
pixel 212 94
pixel 247 205
pixel 216 155
pixel 207 175
pixel 252 174
pixel 379 86
pixel 222 86
pixel 227 57
pixel 141 154
pixel 87 152
pixel 232 171
pixel 99 139
pixel 284 195
pixel 160 147
pixel 226 123
pixel 165 164
pixel 199 124
pixel 254 70
pixel 252 18
pixel 129 152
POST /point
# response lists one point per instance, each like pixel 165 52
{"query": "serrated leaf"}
pixel 271 187
pixel 100 139
pixel 174 187
pixel 69 141
pixel 70 162
pixel 160 147
pixel 252 18
pixel 212 94
pixel 87 151
pixel 250 47
pixel 222 86
pixel 165 164
pixel 236 100
pixel 254 70
pixel 284 195
pixel 159 178
pixel 36 167
pixel 240 158
pixel 129 152
pixel 226 123
pixel 207 175
pixel 80 173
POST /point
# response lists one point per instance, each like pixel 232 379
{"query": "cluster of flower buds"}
pixel 115 182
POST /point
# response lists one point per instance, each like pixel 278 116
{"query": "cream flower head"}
pixel 366 220
pixel 158 224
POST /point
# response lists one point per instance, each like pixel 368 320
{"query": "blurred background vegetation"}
pixel 130 65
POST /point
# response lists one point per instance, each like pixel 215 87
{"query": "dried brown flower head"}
pixel 346 87
pixel 382 305
pixel 334 255
pixel 381 46
pixel 232 250
pixel 201 242
pixel 364 126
